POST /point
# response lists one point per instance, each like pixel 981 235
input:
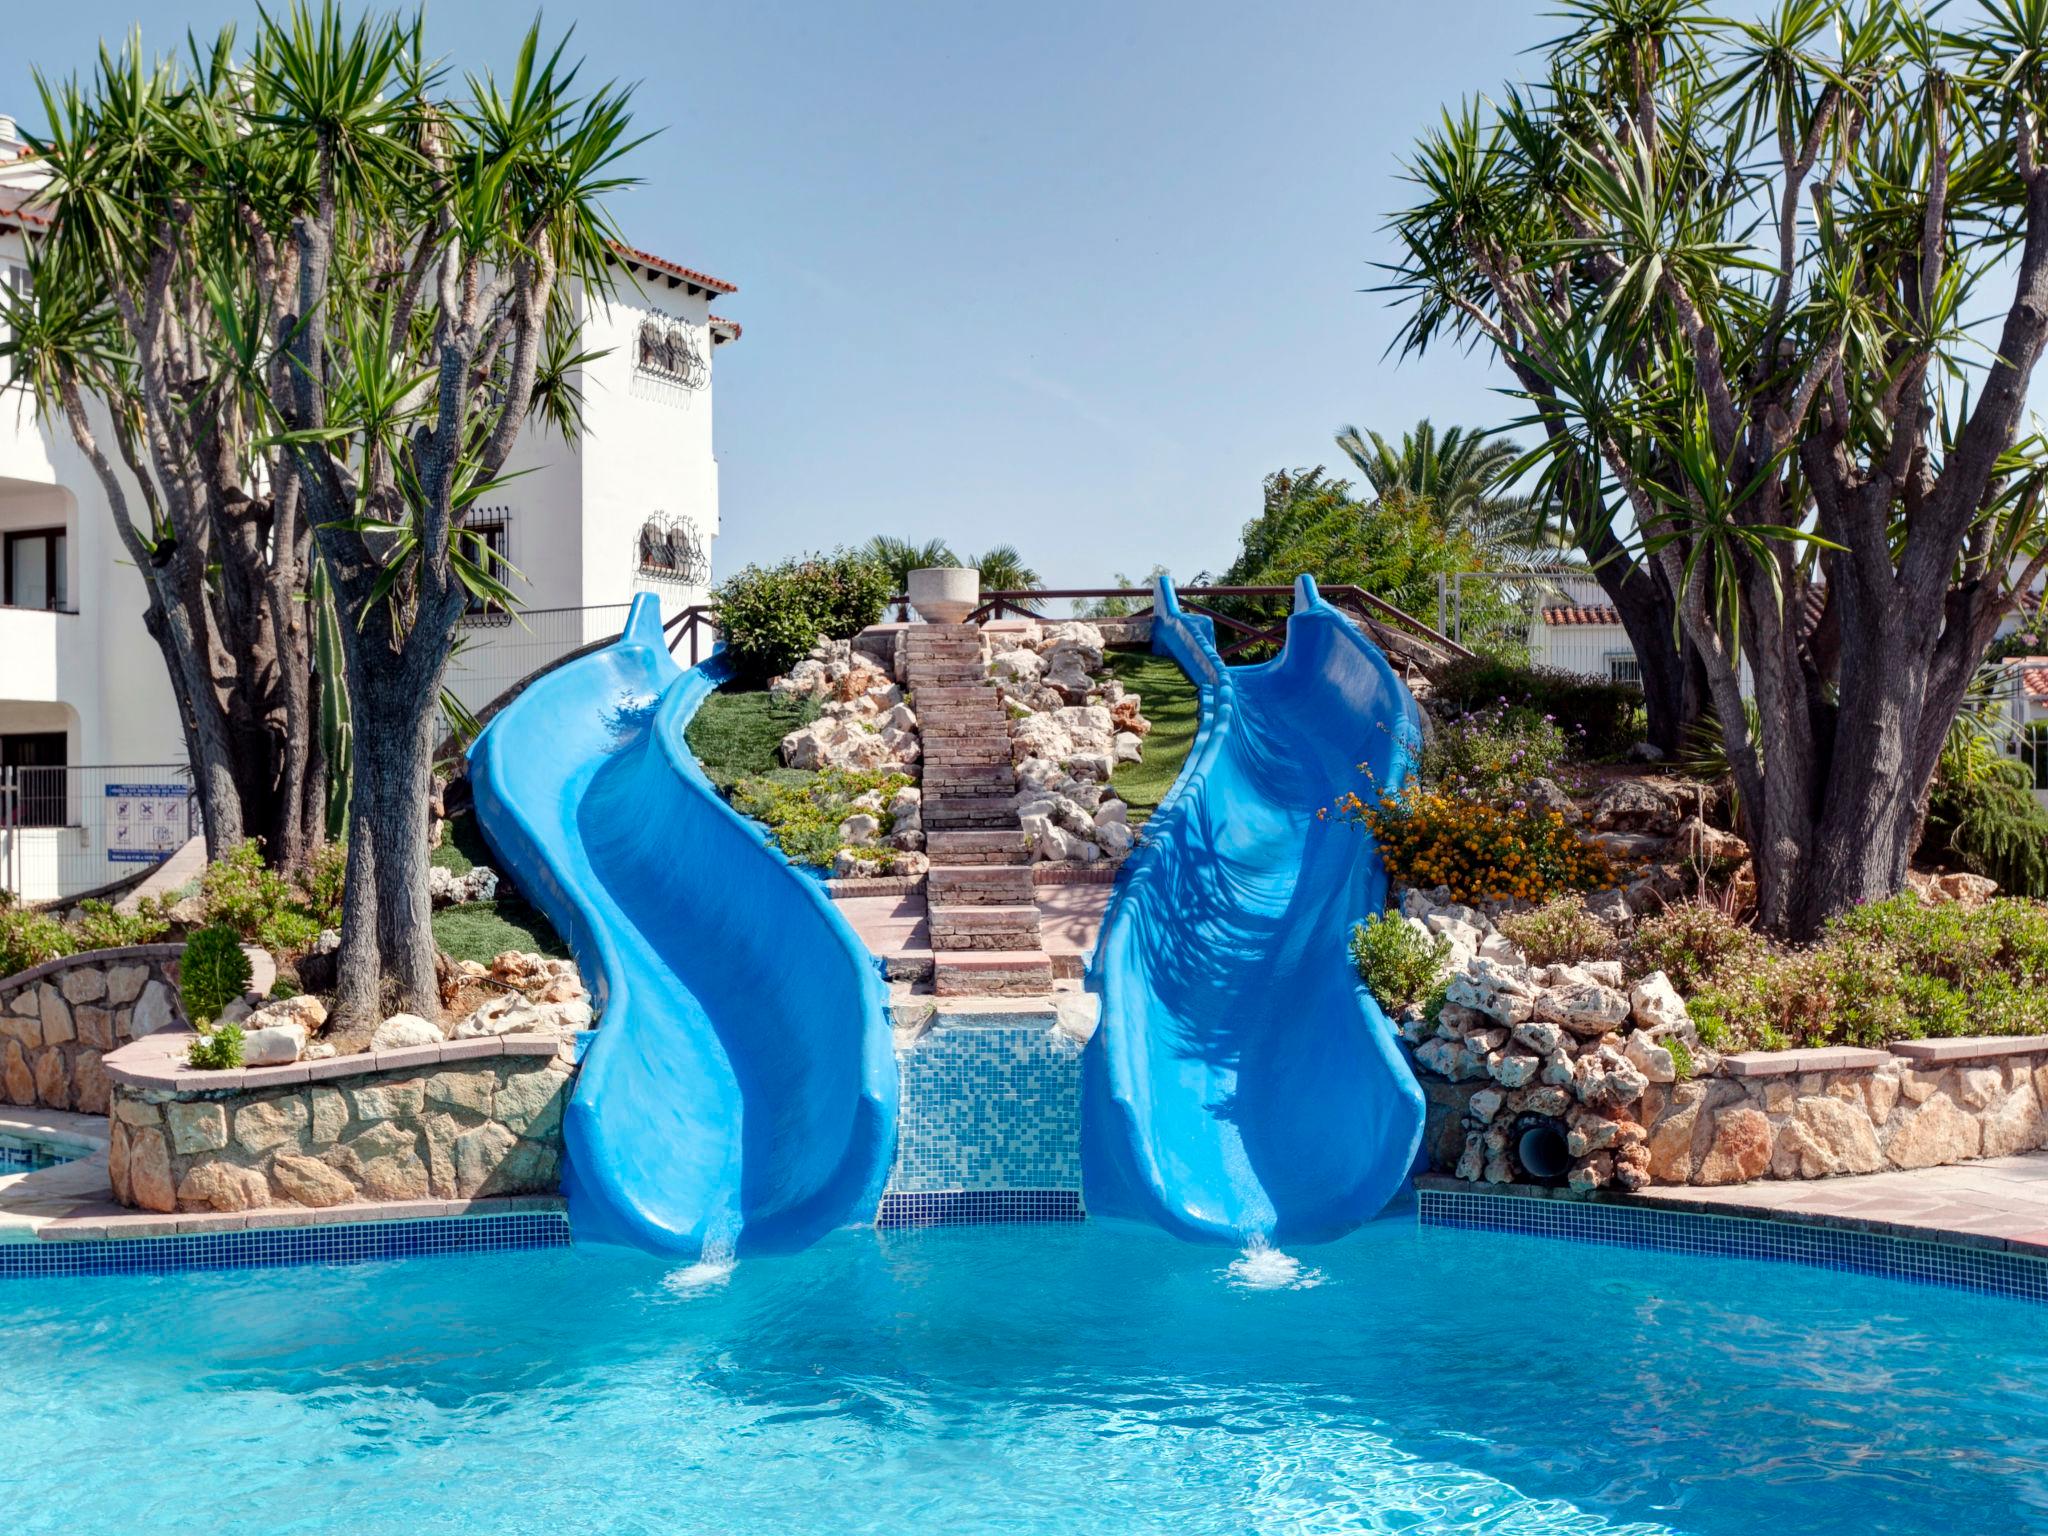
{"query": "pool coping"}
pixel 1986 1263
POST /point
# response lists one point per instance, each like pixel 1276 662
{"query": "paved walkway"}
pixel 2001 1201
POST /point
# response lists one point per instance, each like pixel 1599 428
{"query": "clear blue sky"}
pixel 1072 277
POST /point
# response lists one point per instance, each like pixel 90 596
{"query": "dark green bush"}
pixel 212 973
pixel 1983 817
pixel 769 616
pixel 1603 717
pixel 99 926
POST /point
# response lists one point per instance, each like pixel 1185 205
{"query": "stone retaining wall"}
pixel 456 1121
pixel 1813 1113
pixel 58 1021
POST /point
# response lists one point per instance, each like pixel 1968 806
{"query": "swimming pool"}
pixel 1079 1380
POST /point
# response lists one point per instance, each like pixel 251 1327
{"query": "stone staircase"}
pixel 982 910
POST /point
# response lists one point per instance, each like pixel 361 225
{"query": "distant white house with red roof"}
pixel 631 508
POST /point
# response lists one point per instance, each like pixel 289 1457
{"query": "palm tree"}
pixel 1003 570
pixel 1459 475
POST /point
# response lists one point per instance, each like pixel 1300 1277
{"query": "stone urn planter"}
pixel 945 594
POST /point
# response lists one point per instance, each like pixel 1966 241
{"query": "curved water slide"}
pixel 1243 1084
pixel 741 1094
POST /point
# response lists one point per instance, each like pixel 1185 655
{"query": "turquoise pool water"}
pixel 1077 1380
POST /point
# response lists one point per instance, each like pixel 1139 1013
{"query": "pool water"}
pixel 28 1157
pixel 1079 1380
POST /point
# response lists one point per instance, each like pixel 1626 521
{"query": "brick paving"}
pixel 2000 1201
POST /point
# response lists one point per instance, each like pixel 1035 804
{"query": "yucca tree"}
pixel 1735 267
pixel 335 292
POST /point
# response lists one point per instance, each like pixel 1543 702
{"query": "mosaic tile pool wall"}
pixel 989 1128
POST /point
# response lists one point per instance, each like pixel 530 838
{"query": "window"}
pixel 1622 667
pixel 32 774
pixel 2034 751
pixel 667 349
pixel 34 574
pixel 671 549
pixel 489 544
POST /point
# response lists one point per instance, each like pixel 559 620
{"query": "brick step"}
pixel 985 927
pixel 943 772
pixel 992 973
pixel 980 885
pixel 958 693
pixel 957 815
pixel 983 848
pixel 966 721
pixel 966 675
pixel 940 748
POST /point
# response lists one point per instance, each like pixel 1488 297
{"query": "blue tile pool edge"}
pixel 1957 1264
pixel 977 1207
pixel 271 1247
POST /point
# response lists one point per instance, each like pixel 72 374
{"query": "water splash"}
pixel 714 1267
pixel 1262 1267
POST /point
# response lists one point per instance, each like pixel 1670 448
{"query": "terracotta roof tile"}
pixel 723 329
pixel 659 264
pixel 1578 615
pixel 2033 672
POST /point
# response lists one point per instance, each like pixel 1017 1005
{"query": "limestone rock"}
pixel 1650 1058
pixel 1740 1149
pixel 222 1186
pixel 308 1181
pixel 859 829
pixel 2017 1125
pixel 1606 1079
pixel 1586 1008
pixel 1630 805
pixel 197 1127
pixel 1826 1136
pixel 1494 990
pixel 83 984
pixel 1484 1104
pixel 405 1029
pixel 273 1045
pixel 152 1011
pixel 147 1171
pixel 1656 1006
pixel 1936 1133
pixel 268 1123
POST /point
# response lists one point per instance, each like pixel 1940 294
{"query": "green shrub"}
pixel 99 926
pixel 1494 750
pixel 1561 932
pixel 212 973
pixel 1982 816
pixel 1688 942
pixel 326 874
pixel 803 811
pixel 1399 962
pixel 216 1050
pixel 769 616
pixel 1681 1058
pixel 29 937
pixel 264 905
pixel 1602 716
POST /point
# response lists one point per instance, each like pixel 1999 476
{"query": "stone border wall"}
pixel 1810 1114
pixel 60 1019
pixel 459 1121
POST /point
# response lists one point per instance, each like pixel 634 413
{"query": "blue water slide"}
pixel 740 1095
pixel 1243 1084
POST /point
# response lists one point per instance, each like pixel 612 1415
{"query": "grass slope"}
pixel 736 732
pixel 1172 705
pixel 481 929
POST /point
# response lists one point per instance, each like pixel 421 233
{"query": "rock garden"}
pixel 1566 954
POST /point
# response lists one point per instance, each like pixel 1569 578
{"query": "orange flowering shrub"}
pixel 1482 852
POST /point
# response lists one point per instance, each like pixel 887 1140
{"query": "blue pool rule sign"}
pixel 147 823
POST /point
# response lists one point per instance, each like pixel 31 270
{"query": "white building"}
pixel 85 707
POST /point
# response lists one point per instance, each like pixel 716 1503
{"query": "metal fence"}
pixel 67 831
pixel 495 651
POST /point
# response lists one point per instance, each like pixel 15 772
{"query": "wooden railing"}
pixel 698 625
pixel 1380 617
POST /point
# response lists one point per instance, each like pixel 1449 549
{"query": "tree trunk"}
pixel 388 954
pixel 1674 689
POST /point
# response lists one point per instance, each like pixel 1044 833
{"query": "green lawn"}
pixel 481 929
pixel 1173 707
pixel 735 734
